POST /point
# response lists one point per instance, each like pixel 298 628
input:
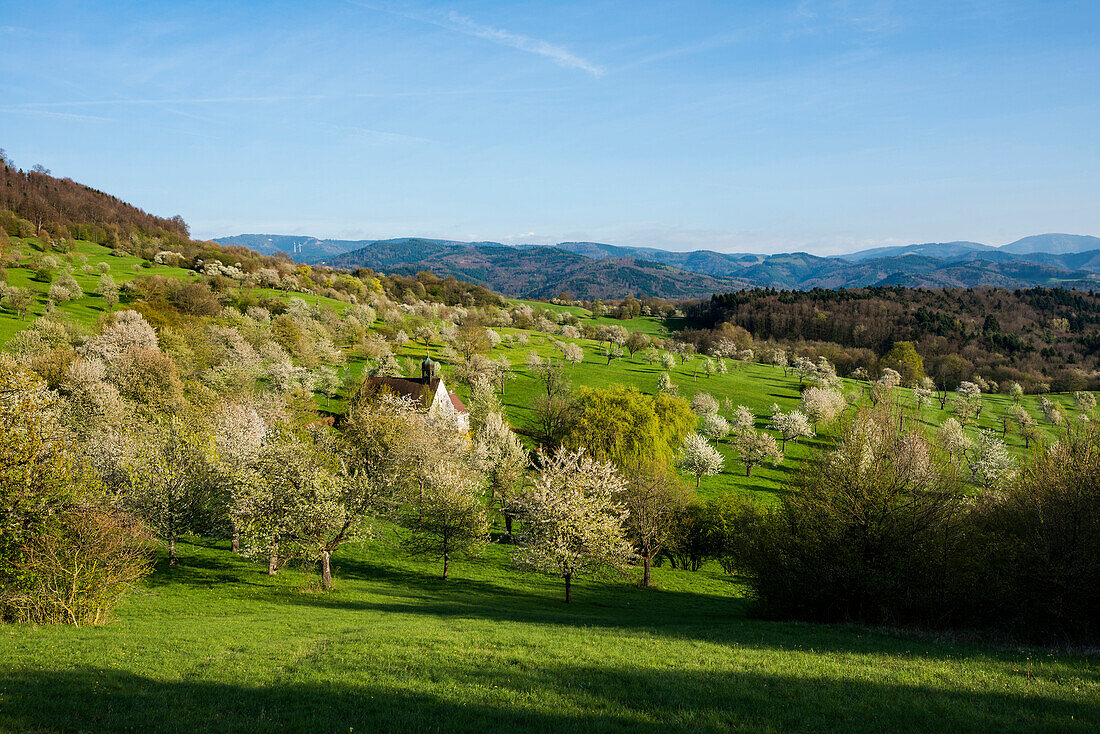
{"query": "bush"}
pixel 1044 542
pixel 79 572
pixel 62 557
pixel 874 532
pixel 728 525
pixel 688 546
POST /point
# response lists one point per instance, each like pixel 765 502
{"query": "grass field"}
pixel 90 308
pixel 214 645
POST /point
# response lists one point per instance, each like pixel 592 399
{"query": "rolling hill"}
pixel 600 270
pixel 535 272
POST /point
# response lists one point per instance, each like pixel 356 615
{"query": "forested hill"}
pixel 49 203
pixel 534 272
pixel 1006 334
pixel 593 269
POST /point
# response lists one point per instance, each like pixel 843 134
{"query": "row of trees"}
pixel 1033 336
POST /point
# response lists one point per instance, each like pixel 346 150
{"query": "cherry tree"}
pixel 756 447
pixel 107 289
pixel 968 402
pixel 1085 402
pixel 791 425
pixel 499 455
pixel 572 524
pixel 704 404
pixel 448 518
pixel 573 354
pixel 168 476
pixel 699 458
pixel 715 427
pixel 743 420
pixel 953 438
pixel 990 462
pixel 823 405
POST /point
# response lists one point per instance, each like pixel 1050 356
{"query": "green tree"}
pixel 903 357
pixel 654 498
pixel 623 424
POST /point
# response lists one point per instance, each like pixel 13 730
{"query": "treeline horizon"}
pixel 1043 338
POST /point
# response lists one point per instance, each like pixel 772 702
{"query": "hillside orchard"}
pixel 194 425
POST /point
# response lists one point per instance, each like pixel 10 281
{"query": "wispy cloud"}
pixel 695 47
pixel 250 99
pixel 558 54
pixel 378 136
pixel 59 115
pixel 458 23
pixel 868 16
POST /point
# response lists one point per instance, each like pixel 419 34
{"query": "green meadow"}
pixel 215 645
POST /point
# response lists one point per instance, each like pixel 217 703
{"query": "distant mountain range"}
pixel 597 270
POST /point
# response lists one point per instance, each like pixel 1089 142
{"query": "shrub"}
pixel 874 532
pixel 62 557
pixel 728 525
pixel 79 572
pixel 1044 541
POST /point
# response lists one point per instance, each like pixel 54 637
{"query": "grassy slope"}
pixel 754 385
pixel 88 309
pixel 216 646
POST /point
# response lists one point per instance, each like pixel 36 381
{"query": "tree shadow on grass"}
pixel 500 694
pixel 793 396
pixel 200 570
pixel 714 618
pixel 481 590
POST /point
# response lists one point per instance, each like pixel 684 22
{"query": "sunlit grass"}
pixel 216 645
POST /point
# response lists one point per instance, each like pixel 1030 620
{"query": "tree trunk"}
pixel 172 550
pixel 568 588
pixel 645 571
pixel 326 570
pixel 508 524
pixel 446 557
pixel 273 562
pixel 748 470
pixel 235 544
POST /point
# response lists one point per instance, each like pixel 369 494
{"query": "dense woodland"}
pixel 1039 337
pixel 56 204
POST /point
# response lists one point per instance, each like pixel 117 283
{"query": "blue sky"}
pixel 817 125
